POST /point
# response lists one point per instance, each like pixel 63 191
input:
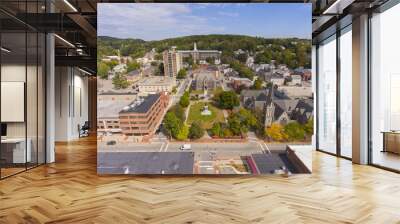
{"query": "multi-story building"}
pixel 156 84
pixel 198 55
pixel 142 117
pixel 173 59
pixel 172 62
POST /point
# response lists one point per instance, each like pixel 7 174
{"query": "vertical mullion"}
pixel 317 97
pixel 369 96
pixel 338 93
pixel 26 86
pixel 37 90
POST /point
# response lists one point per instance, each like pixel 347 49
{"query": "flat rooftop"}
pixel 145 162
pixel 156 81
pixel 141 105
pixel 269 163
pixel 110 108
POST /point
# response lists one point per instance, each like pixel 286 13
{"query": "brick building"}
pixel 144 115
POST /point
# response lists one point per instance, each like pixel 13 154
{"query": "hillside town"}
pixel 190 98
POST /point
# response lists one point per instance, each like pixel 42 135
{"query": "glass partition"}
pixel 385 89
pixel 327 95
pixel 346 92
pixel 13 92
pixel 22 78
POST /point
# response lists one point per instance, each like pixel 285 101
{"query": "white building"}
pixel 156 84
pixel 296 80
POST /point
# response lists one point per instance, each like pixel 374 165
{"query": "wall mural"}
pixel 204 88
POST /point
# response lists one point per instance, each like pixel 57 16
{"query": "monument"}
pixel 205 111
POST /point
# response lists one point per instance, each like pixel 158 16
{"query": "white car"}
pixel 186 147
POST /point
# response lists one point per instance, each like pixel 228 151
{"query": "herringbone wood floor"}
pixel 70 191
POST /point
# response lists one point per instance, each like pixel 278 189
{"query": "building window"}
pixel 385 89
pixel 327 95
pixel 346 92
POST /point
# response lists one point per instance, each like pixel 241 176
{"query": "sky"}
pixel 152 21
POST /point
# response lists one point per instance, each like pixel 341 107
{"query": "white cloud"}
pixel 230 14
pixel 150 21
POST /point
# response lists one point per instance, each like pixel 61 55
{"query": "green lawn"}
pixel 197 92
pixel 207 121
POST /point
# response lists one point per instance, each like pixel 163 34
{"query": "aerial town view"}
pixel 196 90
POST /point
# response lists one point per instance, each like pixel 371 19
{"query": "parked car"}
pixel 112 142
pixel 186 147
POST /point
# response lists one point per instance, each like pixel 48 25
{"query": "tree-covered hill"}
pixel 291 51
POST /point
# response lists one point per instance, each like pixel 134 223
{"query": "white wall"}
pixel 71 102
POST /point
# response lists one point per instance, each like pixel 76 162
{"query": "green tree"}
pixel 247 118
pixel 133 65
pixel 235 126
pixel 227 100
pixel 210 60
pixel 257 84
pixel 185 99
pixel 102 70
pixel 189 60
pixel 226 132
pixel 172 124
pixel 216 130
pixel 183 133
pixel 276 132
pixel 242 57
pixel 120 82
pixel 174 90
pixel 178 111
pixel 181 74
pixel 196 131
pixel 294 131
pixel 112 63
pixel 309 126
pixel 158 57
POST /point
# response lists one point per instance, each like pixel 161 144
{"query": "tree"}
pixel 183 133
pixel 227 100
pixel 181 74
pixel 159 70
pixel 120 82
pixel 210 60
pixel 235 126
pixel 257 84
pixel 112 64
pixel 294 131
pixel 242 57
pixel 247 118
pixel 185 99
pixel 309 126
pixel 216 130
pixel 158 57
pixel 196 131
pixel 133 65
pixel 189 60
pixel 172 124
pixel 275 132
pixel 178 111
pixel 226 132
pixel 102 70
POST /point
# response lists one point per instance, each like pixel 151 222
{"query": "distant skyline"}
pixel 152 21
